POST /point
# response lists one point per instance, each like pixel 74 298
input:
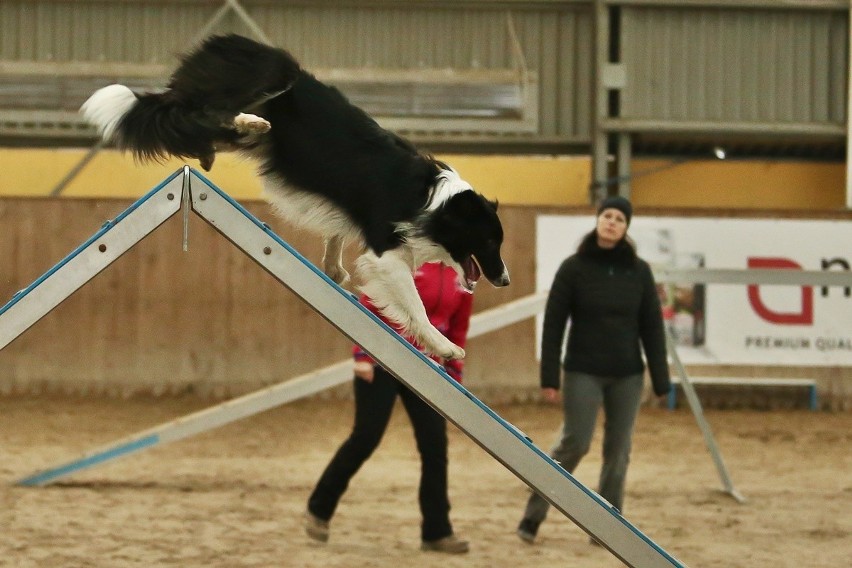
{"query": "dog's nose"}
pixel 502 280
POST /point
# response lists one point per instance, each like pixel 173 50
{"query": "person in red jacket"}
pixel 448 307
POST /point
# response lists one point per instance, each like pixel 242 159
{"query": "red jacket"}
pixel 447 305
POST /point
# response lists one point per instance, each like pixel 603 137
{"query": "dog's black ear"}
pixel 465 201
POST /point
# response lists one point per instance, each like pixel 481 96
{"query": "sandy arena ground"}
pixel 233 497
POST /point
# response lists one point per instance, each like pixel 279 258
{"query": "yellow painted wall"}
pixel 35 172
pixel 740 184
pixel 527 180
pixel 513 180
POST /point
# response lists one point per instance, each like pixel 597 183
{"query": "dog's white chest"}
pixel 307 210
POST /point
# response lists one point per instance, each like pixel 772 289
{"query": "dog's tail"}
pixel 223 77
pixel 151 126
pixel 107 108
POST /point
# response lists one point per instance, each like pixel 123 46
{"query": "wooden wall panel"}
pixel 161 320
pixel 212 322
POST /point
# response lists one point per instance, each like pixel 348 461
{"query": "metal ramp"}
pixel 499 438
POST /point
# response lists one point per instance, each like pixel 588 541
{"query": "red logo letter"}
pixel 804 317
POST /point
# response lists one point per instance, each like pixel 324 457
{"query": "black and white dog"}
pixel 325 165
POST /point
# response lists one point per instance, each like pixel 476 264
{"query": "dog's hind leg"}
pixel 332 260
pixel 244 132
pixel 389 283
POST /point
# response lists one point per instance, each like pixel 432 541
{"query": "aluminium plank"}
pixel 100 250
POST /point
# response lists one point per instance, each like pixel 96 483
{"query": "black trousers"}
pixel 373 406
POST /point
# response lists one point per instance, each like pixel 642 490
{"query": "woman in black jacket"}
pixel 609 295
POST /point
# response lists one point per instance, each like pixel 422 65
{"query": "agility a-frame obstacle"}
pixel 496 436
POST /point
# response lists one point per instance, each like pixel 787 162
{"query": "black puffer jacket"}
pixel 610 297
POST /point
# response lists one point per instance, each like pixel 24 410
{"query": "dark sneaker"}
pixel 449 545
pixel 316 528
pixel 527 530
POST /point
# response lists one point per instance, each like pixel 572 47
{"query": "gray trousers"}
pixel 582 395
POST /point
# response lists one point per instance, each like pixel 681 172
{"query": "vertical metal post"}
pixel 623 161
pixel 849 112
pixel 600 143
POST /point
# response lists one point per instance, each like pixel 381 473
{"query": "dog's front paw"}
pixel 251 124
pixel 455 353
pixel 444 348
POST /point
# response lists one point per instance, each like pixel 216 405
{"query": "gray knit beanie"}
pixel 617 202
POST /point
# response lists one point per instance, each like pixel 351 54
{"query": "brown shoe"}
pixel 316 528
pixel 449 545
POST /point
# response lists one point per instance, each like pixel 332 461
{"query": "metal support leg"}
pixel 78 167
pixel 697 411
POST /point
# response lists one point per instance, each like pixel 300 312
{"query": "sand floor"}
pixel 234 496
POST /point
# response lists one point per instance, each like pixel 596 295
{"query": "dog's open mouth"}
pixel 472 272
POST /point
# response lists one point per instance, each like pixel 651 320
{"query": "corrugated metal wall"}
pixel 555 38
pixel 754 65
pixel 752 62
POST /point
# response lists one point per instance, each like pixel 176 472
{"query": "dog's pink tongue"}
pixel 471 271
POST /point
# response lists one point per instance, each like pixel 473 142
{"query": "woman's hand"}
pixel 364 370
pixel 550 395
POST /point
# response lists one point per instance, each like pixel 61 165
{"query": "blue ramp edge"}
pixel 49 475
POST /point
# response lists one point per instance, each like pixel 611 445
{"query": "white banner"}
pixel 734 324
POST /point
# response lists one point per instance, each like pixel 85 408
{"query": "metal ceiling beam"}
pixel 739 4
pixel 718 127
